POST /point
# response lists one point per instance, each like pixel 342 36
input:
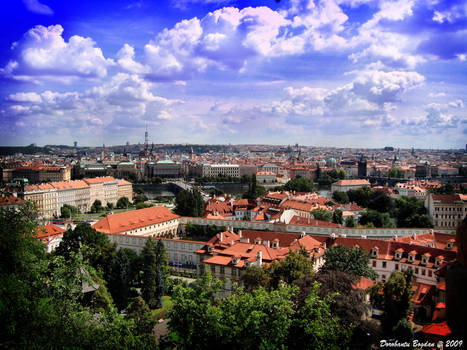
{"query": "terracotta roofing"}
pixel 69 185
pixel 352 182
pixel 363 283
pixel 40 187
pixel 11 200
pixel 300 220
pixel 446 198
pixel 97 180
pixel 130 220
pixel 122 182
pixel 298 205
pixel 49 231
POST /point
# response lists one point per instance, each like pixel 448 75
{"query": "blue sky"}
pixel 355 73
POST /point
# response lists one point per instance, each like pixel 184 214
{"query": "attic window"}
pixel 398 255
pixel 410 257
pixel 424 260
pixel 374 252
pixel 450 244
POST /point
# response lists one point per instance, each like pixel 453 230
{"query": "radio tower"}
pixel 146 138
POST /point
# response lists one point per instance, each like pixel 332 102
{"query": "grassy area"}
pixel 166 305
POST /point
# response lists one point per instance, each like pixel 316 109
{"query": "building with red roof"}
pixel 446 210
pixel 149 222
pixel 50 235
pixel 9 201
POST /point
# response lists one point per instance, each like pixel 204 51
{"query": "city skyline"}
pixel 343 73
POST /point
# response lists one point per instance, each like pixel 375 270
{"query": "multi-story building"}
pixel 446 210
pixel 65 194
pixel 10 202
pixel 44 196
pixel 266 177
pixel 124 189
pixel 411 190
pixel 228 254
pixel 274 168
pixel 164 169
pixel 103 188
pixel 41 173
pixel 50 198
pixel 213 170
pixel 148 222
pixel 127 170
pixel 50 235
pixel 345 185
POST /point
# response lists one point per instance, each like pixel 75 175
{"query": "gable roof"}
pixel 133 219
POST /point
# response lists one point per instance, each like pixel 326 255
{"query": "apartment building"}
pixel 213 170
pixel 49 198
pixel 124 189
pixel 41 173
pixel 446 210
pixel 44 196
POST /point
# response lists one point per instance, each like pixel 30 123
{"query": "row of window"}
pixel 447 209
pixel 221 269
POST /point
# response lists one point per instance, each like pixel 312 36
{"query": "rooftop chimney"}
pixel 240 233
pixel 259 258
pixel 221 236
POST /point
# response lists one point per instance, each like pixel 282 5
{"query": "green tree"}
pixel 337 216
pixel 351 260
pixel 121 277
pixel 68 211
pixel 380 201
pixel 403 331
pixel 296 265
pixel 340 197
pixel 193 320
pixel 254 190
pixel 123 203
pixel 360 196
pixel 396 172
pixel 189 203
pixel 322 214
pixel 97 207
pixel 395 301
pixel 325 180
pixel 139 312
pixel 110 205
pixel 140 198
pixel 300 184
pixel 155 272
pixel 410 212
pixel 314 327
pixel 350 221
pixel 94 246
pixel 254 277
pixel 376 218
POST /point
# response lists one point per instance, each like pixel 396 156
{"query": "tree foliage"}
pixel 395 301
pixel 155 267
pixel 396 172
pixel 351 260
pixel 296 265
pixel 123 203
pixel 189 203
pixel 340 197
pixel 94 246
pixel 322 214
pixel 410 212
pixel 300 184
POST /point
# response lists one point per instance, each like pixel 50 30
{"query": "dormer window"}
pixel 258 240
pixel 235 260
pixel 425 258
pixel 374 252
pixel 210 249
pixel 438 261
pixel 275 243
pixel 411 257
pixel 398 255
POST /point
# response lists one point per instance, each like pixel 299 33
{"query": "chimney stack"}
pixel 259 258
pixel 221 236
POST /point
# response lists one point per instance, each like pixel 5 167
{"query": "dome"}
pixel 332 160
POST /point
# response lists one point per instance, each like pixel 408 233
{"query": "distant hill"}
pixel 31 149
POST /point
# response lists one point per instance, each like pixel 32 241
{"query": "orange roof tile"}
pixel 130 220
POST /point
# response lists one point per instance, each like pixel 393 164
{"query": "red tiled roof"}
pixel 446 198
pixel 98 180
pixel 300 220
pixel 49 231
pixel 364 284
pixel 11 200
pixel 130 220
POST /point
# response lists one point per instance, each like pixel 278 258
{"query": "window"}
pixel 397 266
pixel 423 272
pixel 416 270
pixel 384 264
pixel 374 263
pixel 430 273
pixel 213 269
pixel 233 272
pixel 222 270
